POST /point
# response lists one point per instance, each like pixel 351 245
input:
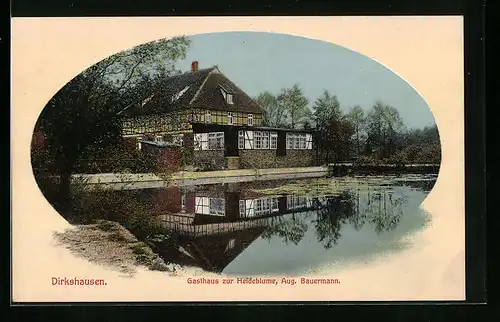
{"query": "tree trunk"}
pixel 65 173
pixel 64 186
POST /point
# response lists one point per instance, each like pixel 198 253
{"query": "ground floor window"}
pixel 241 140
pixel 258 207
pixel 210 206
pixel 261 140
pixel 209 141
pixel 266 206
pixel 274 140
pixel 298 141
pixel 294 202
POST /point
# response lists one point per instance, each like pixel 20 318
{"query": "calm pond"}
pixel 292 227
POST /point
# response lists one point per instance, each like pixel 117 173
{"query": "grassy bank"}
pixel 114 223
pixel 110 244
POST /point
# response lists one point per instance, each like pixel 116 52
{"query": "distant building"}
pixel 216 123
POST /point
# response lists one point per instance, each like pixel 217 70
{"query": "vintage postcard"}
pixel 238 159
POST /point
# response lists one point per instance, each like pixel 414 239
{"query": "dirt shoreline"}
pixel 109 244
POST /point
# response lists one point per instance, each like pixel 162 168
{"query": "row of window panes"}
pixel 257 140
pixel 263 206
pixel 209 141
pixel 298 141
pixel 266 206
pixel 210 206
pixel 296 202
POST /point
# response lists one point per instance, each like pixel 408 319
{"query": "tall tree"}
pixel 275 114
pixel 327 115
pixel 295 103
pixel 356 116
pixel 308 121
pixel 84 112
pixel 384 128
pixel 326 108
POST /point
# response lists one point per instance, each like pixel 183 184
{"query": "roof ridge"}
pixel 195 96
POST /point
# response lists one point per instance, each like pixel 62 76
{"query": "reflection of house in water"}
pixel 215 225
pixel 211 209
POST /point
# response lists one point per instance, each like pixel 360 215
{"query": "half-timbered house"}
pixel 218 125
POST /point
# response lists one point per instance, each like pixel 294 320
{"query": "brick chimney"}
pixel 194 66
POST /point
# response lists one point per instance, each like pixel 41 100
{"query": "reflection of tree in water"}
pixel 288 229
pixel 422 185
pixel 385 210
pixel 331 215
pixel 377 206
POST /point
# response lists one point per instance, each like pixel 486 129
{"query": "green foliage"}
pixel 124 207
pixel 326 109
pixel 84 113
pixel 295 103
pixel 275 114
pixel 384 127
pixel 356 116
pixel 338 205
pixel 118 158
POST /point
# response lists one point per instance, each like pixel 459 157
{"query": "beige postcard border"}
pixel 425 51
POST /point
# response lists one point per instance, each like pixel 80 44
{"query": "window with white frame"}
pixel 230 118
pixel 249 142
pixel 289 141
pixel 212 141
pixel 274 205
pixel 266 206
pixel 250 120
pixel 259 206
pixel 265 140
pixel 216 141
pixel 274 140
pixel 229 98
pixel 208 117
pixel 241 140
pixel 210 206
pixel 209 141
pixel 309 141
pixel 202 205
pixel 227 94
pixel 257 136
pixel 249 208
pixel 298 141
pixel 197 141
pixel 220 140
pixel 257 140
pixel 302 141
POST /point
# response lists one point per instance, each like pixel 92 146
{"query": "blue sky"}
pixel 257 62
